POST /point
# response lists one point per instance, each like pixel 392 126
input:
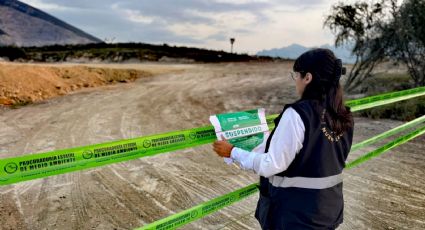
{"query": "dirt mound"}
pixel 23 84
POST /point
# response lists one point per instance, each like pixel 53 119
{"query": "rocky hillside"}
pixel 24 25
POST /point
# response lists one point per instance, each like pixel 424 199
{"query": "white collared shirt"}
pixel 286 142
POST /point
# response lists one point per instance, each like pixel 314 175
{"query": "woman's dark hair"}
pixel 324 87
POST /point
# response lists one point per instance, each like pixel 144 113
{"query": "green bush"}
pixel 12 53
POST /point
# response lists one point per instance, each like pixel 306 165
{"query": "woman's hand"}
pixel 223 148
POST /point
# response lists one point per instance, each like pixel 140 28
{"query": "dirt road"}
pixel 385 193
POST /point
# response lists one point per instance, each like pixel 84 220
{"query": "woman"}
pixel 301 166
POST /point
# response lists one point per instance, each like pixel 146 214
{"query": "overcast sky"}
pixel 255 24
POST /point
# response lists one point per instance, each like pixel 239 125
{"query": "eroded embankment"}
pixel 22 84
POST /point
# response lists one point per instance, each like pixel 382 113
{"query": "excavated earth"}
pixel 387 192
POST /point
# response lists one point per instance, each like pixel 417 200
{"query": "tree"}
pixel 409 38
pixel 380 31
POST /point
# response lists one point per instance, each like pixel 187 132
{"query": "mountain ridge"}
pixel 24 25
pixel 295 50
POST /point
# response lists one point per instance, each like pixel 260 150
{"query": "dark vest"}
pixel 323 155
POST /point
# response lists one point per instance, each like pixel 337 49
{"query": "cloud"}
pixel 168 10
pixel 201 23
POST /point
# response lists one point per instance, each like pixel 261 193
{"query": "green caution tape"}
pixel 197 212
pixel 383 99
pixel 185 217
pixel 388 133
pixel 40 165
pixel 390 145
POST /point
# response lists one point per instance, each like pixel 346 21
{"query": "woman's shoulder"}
pixel 305 105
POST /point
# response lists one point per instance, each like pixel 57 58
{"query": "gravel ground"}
pixel 387 192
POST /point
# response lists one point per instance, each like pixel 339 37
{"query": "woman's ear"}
pixel 308 78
